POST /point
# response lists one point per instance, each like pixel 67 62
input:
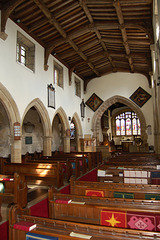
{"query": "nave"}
pixel 98 204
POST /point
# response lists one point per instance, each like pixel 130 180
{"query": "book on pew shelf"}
pixel 6 179
pixel 138 180
pixel 144 181
pixel 80 235
pixel 126 180
pixel 132 174
pixel 77 202
pixel 36 236
pixel 65 201
pixel 25 226
pixel 109 175
pixel 132 180
pixel 121 174
pixel 126 173
pixel 101 173
pixel 144 174
pixel 138 174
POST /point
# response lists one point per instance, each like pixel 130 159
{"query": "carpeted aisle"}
pixel 40 209
pixel 4 231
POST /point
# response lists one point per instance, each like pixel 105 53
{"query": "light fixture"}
pixel 18 20
pixel 82 108
pixel 69 119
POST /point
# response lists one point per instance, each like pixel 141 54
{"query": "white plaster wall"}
pixel 25 86
pixel 122 84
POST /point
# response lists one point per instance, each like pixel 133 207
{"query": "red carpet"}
pixel 91 176
pixel 4 231
pixel 65 190
pixel 40 209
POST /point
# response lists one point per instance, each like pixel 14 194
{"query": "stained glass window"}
pixel 127 123
pixel 72 130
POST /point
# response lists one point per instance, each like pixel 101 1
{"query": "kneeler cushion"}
pixel 152 196
pixel 141 221
pixel 158 223
pixel 112 218
pixel 97 193
pixel 124 195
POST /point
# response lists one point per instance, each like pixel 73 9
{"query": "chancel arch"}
pixel 37 133
pixel 96 120
pixel 10 113
pixel 60 131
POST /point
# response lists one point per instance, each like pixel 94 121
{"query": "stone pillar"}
pixel 79 142
pixel 47 146
pixel 66 144
pixel 15 148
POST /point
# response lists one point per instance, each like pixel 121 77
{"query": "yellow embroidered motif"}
pixel 113 221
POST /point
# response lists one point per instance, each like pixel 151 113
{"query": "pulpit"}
pixel 88 144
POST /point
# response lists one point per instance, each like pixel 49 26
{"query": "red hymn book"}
pixel 25 226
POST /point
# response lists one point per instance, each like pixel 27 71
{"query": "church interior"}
pixel 79 119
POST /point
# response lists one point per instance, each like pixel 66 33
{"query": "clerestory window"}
pixel 25 51
pixel 58 74
pixel 77 87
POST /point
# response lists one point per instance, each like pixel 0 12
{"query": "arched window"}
pixel 72 130
pixel 127 123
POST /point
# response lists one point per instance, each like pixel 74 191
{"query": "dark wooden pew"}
pixel 136 159
pixel 125 216
pixel 37 173
pixel 93 159
pixel 102 201
pixel 75 164
pixel 15 190
pixel 119 190
pixel 63 229
pixel 137 175
pixel 70 165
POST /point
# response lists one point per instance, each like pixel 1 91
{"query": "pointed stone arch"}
pixel 96 120
pixel 63 116
pixel 47 131
pixel 64 120
pixel 78 128
pixel 13 116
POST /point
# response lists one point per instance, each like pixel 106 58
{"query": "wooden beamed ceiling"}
pixel 91 37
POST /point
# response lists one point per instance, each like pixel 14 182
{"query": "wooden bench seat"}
pixel 138 175
pixel 37 173
pixel 125 216
pixel 136 159
pixel 119 190
pixel 15 190
pixel 93 158
pixel 93 200
pixel 71 165
pixel 63 229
